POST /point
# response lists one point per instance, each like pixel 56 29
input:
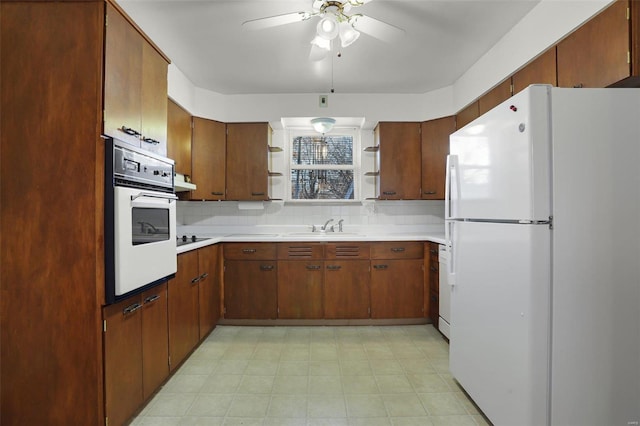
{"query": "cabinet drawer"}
pixel 293 251
pixel 347 251
pixel 250 251
pixel 397 250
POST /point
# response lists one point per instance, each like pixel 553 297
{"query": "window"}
pixel 323 167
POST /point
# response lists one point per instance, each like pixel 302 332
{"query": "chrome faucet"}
pixel 324 227
pixel 340 225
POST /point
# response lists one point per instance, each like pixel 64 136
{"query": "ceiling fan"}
pixel 335 22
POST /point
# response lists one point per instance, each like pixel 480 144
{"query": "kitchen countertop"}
pixel 253 235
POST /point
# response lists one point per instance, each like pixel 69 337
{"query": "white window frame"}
pixel 293 132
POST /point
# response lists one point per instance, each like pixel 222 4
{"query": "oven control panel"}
pixel 135 167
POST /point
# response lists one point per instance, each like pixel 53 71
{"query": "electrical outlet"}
pixel 323 101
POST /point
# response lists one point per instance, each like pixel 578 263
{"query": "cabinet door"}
pixel 179 137
pixel 435 148
pixel 400 162
pixel 434 284
pixel 397 288
pixel 300 289
pixel 467 115
pixel 209 292
pixel 346 289
pixel 184 319
pixel 541 70
pixel 494 97
pixel 122 78
pixel 250 289
pixel 153 100
pixel 123 359
pixel 155 345
pixel 208 159
pixel 596 54
pixel 247 161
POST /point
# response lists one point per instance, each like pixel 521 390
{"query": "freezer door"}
pixel 499 343
pixel 499 165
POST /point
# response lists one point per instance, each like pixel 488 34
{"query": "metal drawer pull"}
pixel 429 192
pixel 380 266
pixel 389 192
pixel 151 298
pixel 170 197
pixel 203 276
pixel 131 308
pixel 266 267
pixel 150 140
pixel 313 267
pixel 248 251
pixel 217 193
pixel 129 131
pixel 433 251
pixel 255 194
pixel 333 267
pixel 195 280
pixel 434 298
pixel 397 249
pixel 433 269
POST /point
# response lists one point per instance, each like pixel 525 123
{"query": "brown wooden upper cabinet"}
pixel 467 115
pixel 435 148
pixel 135 86
pixel 601 52
pixel 208 159
pixel 399 160
pixel 247 175
pixel 495 96
pixel 541 70
pixel 179 137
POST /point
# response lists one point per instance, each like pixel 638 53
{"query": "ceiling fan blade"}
pixel 317 53
pixel 378 29
pixel 274 21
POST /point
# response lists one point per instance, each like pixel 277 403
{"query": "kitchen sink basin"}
pixel 323 234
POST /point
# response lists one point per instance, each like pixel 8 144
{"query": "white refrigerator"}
pixel 543 229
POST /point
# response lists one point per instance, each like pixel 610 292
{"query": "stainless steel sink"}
pixel 323 234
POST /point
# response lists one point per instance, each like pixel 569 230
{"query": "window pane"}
pixel 309 184
pixel 314 150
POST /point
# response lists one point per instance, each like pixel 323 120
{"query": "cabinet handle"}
pixel 266 267
pixel 131 309
pixel 195 280
pixel 433 269
pixel 333 267
pixel 151 299
pixel 380 266
pixel 150 140
pixel 248 251
pixel 389 192
pixel 430 192
pixel 203 276
pixel 433 251
pixel 434 298
pixel 217 193
pixel 313 267
pixel 578 86
pixel 397 249
pixel 255 194
pixel 129 131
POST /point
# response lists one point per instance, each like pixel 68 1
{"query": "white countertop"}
pixel 286 235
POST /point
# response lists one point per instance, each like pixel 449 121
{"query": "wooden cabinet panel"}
pixel 467 115
pixel 209 291
pixel 247 161
pixel 494 97
pixel 155 344
pixel 250 289
pixel 399 160
pixel 179 137
pixel 299 251
pixel 346 289
pixel 300 284
pixel 435 148
pixel 397 288
pixel 596 54
pixel 153 110
pixel 434 284
pixel 184 320
pixel 541 70
pixel 123 359
pixel 208 159
pixel 122 77
pixel 396 250
pixel 347 250
pixel 250 251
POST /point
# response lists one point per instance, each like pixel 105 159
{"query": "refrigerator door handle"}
pixel 451 192
pixel 451 250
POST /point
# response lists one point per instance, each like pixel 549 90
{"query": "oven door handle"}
pixel 170 197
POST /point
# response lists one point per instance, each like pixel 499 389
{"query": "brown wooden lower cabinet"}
pixel 250 289
pixel 346 289
pixel 434 284
pixel 300 285
pixel 155 344
pixel 209 288
pixel 397 288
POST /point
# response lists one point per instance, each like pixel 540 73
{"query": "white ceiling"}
pixel 206 41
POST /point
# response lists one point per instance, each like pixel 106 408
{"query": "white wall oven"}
pixel 140 220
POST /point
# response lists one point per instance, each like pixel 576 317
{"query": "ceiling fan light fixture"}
pixel 322 43
pixel 323 124
pixel 328 27
pixel 348 34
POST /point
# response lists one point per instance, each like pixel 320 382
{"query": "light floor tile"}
pixel 452 421
pixel 243 421
pixel 210 406
pixel 185 383
pixel 442 404
pixel 384 367
pixel 250 406
pixel 411 421
pixel 371 421
pixel 259 367
pixel 359 385
pixel 325 385
pixel 324 368
pixel 201 421
pixel 365 406
pixel 197 366
pixel 279 421
pixel 328 422
pixel 168 404
pixel 293 368
pixel 222 383
pixel 288 406
pixel 403 405
pixel 416 366
pixel 355 368
pixel 256 384
pixel 290 385
pixel 232 366
pixel 423 383
pixel 159 421
pixel 394 384
pixel 326 407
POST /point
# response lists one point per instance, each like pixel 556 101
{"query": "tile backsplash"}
pixel 212 213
